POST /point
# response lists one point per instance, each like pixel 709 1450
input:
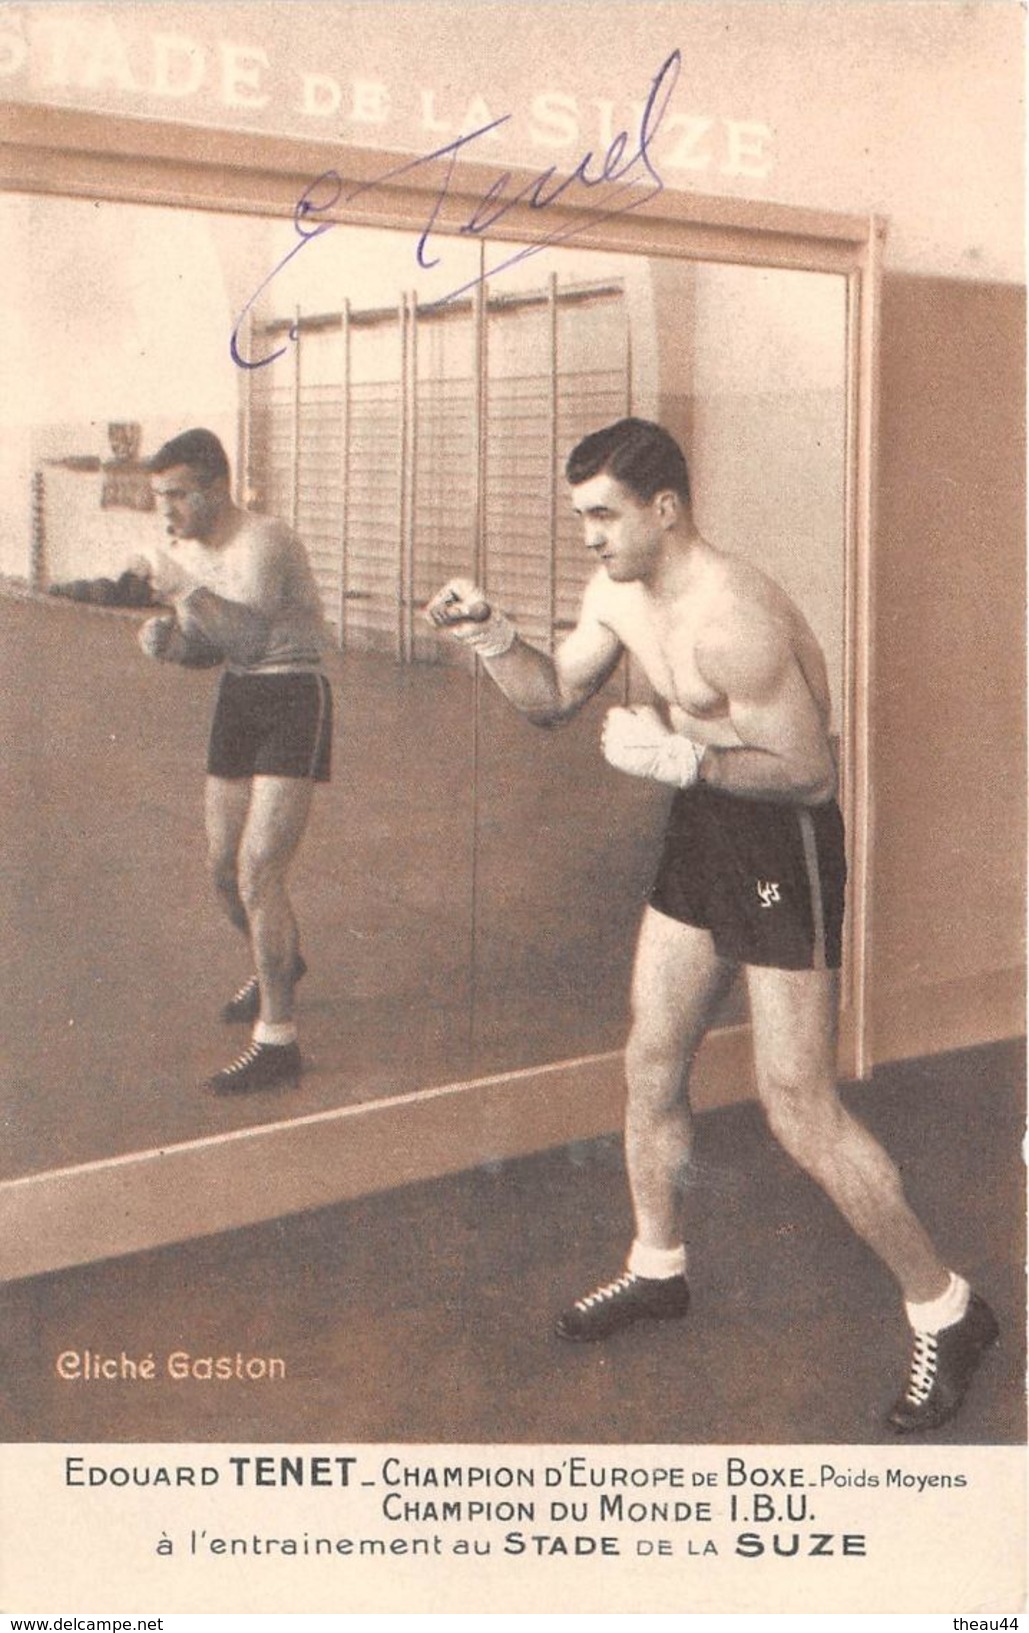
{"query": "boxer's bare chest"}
pixel 665 639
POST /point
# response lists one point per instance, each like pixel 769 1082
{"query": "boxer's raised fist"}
pixel 460 601
pixel 461 609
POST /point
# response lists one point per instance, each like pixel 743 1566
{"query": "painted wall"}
pixel 752 366
pixel 948 693
pixel 95 313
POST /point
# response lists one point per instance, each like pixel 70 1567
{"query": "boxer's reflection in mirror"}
pixel 243 596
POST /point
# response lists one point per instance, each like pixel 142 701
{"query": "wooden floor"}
pixel 425 1313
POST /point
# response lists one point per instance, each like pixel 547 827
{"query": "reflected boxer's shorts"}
pixel 767 880
pixel 272 726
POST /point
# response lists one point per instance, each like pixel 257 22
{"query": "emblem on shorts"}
pixel 768 892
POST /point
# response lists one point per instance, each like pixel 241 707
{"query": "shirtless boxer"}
pixel 752 875
pixel 242 588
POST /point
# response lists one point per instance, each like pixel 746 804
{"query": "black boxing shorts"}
pixel 272 726
pixel 766 879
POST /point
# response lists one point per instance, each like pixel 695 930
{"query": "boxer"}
pixel 242 592
pixel 751 877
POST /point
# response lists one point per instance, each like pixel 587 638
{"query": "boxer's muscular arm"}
pixel 550 690
pixel 547 690
pixel 785 752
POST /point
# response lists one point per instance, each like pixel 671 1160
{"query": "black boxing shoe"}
pixel 620 1304
pixel 245 1005
pixel 943 1365
pixel 262 1066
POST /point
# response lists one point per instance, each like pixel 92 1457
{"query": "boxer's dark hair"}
pixel 641 455
pixel 199 449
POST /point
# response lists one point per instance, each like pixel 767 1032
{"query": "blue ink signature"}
pixel 619 170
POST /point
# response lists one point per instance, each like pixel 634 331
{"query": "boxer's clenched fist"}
pixel 638 741
pixel 163 638
pixel 458 602
pixel 461 609
pixel 157 635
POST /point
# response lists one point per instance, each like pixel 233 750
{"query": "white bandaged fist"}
pixel 462 610
pixel 157 635
pixel 638 741
pixel 165 639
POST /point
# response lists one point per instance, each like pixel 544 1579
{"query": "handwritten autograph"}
pixel 624 169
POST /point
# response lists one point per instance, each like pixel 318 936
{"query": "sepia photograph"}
pixel 512 684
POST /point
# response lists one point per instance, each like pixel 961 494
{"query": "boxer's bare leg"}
pixel 793 1017
pixel 276 818
pixel 226 804
pixel 678 981
pixel 275 825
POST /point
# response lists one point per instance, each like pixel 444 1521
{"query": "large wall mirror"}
pixel 471 886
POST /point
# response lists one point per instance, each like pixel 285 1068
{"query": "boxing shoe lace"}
pixel 260 1066
pixel 923 1368
pixel 250 1055
pixel 621 1303
pixel 943 1365
pixel 246 993
pixel 603 1295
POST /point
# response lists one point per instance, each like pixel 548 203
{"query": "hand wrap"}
pixel 165 639
pixel 156 635
pixel 461 610
pixel 637 741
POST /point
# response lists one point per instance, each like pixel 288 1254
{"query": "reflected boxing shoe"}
pixel 261 1066
pixel 943 1365
pixel 621 1303
pixel 245 1005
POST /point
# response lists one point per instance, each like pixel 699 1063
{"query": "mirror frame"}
pixel 59 1217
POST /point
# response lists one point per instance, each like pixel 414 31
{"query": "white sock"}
pixel 280 1032
pixel 943 1311
pixel 656 1263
